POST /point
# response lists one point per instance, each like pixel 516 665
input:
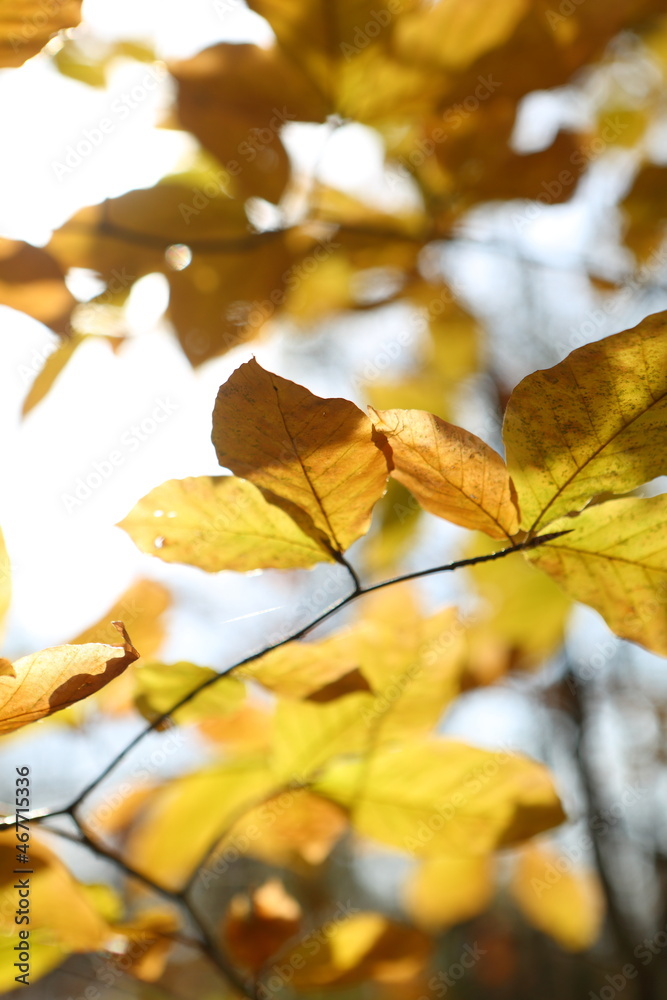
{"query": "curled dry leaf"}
pixel 56 677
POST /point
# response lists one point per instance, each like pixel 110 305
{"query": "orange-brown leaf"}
pixel 451 472
pixel 318 458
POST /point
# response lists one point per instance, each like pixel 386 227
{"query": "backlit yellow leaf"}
pixel 520 619
pixel 158 686
pixel 318 455
pixel 596 421
pixel 446 890
pixel 568 905
pixel 615 559
pixel 440 796
pixel 307 735
pixel 54 678
pixel 451 472
pixel 299 668
pixel 57 901
pixel 217 523
pixel 166 844
pixel 414 663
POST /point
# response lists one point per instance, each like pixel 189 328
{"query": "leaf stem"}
pixel 359 591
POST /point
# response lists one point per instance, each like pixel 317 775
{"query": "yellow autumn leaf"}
pixel 58 903
pixel 224 299
pixel 595 422
pixel 102 237
pixel 297 669
pixel 218 523
pixel 567 905
pixel 520 618
pixel 158 686
pixel 325 41
pixel 615 559
pixel 307 735
pixel 53 366
pixel 448 889
pixel 318 457
pixel 166 845
pixel 27 25
pixel 414 663
pixel 358 947
pixel 432 796
pixel 412 666
pixel 54 678
pixel 451 472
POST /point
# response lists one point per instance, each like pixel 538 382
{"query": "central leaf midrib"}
pixel 654 402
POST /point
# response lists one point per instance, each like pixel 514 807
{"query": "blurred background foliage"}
pixel 408 203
